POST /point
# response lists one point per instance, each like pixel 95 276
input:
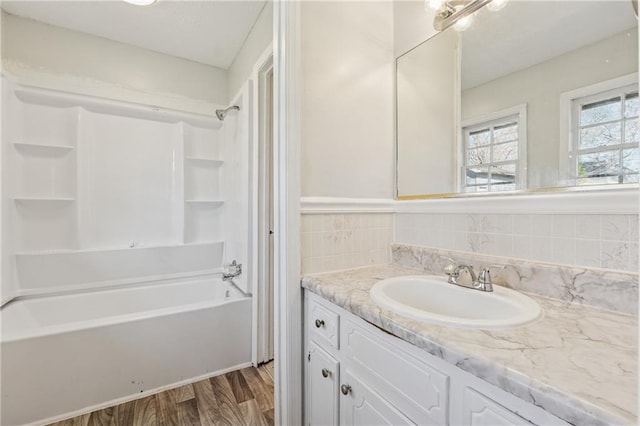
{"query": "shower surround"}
pixel 118 219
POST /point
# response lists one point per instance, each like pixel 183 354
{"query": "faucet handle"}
pixel 484 281
pixel 234 268
pixel 451 267
pixel 485 276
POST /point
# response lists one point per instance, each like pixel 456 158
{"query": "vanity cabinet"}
pixel 357 374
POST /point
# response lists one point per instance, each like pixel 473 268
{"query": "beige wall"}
pixel 58 58
pixel 257 42
pixel 347 99
pixel 426 119
pixel 412 25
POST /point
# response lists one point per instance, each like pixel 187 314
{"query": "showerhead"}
pixel 222 113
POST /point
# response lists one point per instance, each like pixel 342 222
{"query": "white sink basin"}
pixel 431 298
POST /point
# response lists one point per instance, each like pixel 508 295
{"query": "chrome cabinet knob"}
pixel 345 389
pixel 325 372
pixel 319 323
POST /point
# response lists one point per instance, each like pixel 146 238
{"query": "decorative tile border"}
pixel 613 290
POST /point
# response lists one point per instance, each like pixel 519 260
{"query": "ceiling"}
pixel 526 33
pixel 207 31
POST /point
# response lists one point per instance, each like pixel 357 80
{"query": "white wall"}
pixel 256 43
pixel 540 87
pixel 58 58
pixel 347 99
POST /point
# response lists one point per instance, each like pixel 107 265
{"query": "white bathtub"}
pixel 67 354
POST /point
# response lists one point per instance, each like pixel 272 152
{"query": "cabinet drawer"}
pixel 323 325
pixel 480 410
pixel 417 389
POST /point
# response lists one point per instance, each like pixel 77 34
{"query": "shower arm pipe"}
pixel 448 15
pixel 222 113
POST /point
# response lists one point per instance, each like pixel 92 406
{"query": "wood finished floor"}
pixel 243 397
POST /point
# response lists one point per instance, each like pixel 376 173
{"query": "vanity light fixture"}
pixel 463 23
pixel 141 2
pixel 459 12
pixel 434 4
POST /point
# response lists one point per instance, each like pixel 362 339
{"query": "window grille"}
pixel 605 137
pixel 491 155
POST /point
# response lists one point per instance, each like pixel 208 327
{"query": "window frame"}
pixel 570 105
pixel 518 113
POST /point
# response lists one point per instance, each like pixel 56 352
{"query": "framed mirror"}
pixel 538 95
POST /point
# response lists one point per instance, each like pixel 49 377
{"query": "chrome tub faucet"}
pixel 231 271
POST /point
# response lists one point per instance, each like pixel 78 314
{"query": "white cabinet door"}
pixel 362 406
pixel 322 380
pixel 479 410
pixel 416 388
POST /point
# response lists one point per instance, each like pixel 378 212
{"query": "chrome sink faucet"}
pixel 469 279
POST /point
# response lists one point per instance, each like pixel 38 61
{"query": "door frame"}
pixel 286 146
pixel 259 181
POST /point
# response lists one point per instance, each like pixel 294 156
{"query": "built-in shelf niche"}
pixel 202 143
pixel 202 183
pixel 43 168
pixel 207 161
pixel 48 125
pixel 64 198
pixel 43 199
pixel 42 147
pixel 44 171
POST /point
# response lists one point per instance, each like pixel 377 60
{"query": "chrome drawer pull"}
pixel 319 323
pixel 345 389
pixel 325 372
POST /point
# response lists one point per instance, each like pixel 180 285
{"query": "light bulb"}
pixel 463 23
pixel 433 4
pixel 496 5
pixel 141 2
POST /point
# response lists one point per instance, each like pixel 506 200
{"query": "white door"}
pixel 362 406
pixel 263 181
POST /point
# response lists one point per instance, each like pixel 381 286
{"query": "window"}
pixel 494 153
pixel 605 137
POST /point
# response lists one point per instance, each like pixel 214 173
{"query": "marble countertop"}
pixel 577 362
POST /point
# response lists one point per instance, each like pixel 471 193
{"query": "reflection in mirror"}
pixel 426 86
pixel 545 94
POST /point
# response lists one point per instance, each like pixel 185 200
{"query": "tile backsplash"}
pixel 592 240
pixel 342 241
